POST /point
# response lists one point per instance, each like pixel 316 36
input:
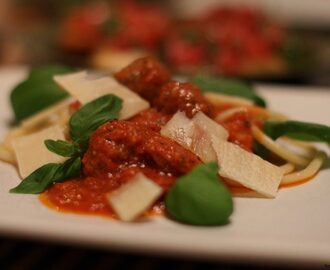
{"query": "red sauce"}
pixel 239 128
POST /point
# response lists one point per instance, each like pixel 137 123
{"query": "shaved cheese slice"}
pixel 195 134
pixel 180 129
pixel 207 139
pixel 6 155
pixel 247 169
pixel 85 90
pixel 31 153
pixel 134 197
pixel 44 116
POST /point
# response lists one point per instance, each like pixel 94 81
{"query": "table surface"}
pixel 26 254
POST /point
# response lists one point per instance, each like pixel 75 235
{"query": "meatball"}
pixel 151 118
pixel 185 97
pixel 144 76
pixel 118 144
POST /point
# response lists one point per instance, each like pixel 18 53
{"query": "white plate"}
pixel 294 227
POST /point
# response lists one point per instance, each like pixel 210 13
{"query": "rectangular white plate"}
pixel 294 227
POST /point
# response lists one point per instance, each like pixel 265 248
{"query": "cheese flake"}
pixel 31 152
pixel 134 197
pixel 85 90
pixel 247 169
pixel 195 134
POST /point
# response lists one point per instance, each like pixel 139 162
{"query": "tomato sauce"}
pixel 239 128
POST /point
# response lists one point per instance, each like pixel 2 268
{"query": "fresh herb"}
pixel 37 92
pixel 298 130
pixel 199 198
pixel 97 112
pixel 63 148
pixel 48 174
pixel 230 87
pixel 260 150
pixel 82 123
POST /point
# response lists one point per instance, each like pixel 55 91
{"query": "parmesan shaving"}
pixel 47 115
pixel 134 197
pixel 247 169
pixel 195 134
pixel 207 139
pixel 85 90
pixel 31 152
pixel 7 155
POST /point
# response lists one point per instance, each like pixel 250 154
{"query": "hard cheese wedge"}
pixel 85 90
pixel 195 134
pixel 39 119
pixel 208 140
pixel 247 169
pixel 134 197
pixel 31 152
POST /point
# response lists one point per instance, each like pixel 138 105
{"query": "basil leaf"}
pixel 199 198
pixel 298 130
pixel 95 113
pixel 62 148
pixel 37 92
pixel 42 178
pixel 230 87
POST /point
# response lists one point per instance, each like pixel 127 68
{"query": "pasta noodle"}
pixel 287 168
pixel 309 171
pixel 275 148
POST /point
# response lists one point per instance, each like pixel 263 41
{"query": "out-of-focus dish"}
pixel 235 41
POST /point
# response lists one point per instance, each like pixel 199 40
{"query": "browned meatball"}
pixel 185 97
pixel 145 76
pixel 151 118
pixel 118 144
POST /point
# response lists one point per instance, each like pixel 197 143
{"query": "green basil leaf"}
pixel 199 198
pixel 260 150
pixel 37 92
pixel 42 178
pixel 230 87
pixel 298 130
pixel 95 113
pixel 62 148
